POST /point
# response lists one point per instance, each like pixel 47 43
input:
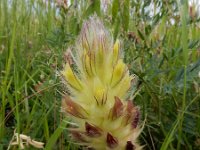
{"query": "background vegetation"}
pixel 160 43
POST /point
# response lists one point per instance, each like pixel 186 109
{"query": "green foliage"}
pixel 161 46
pixel 94 7
pixel 115 9
pixel 125 14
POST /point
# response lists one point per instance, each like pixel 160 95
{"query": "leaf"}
pixel 115 9
pixel 54 137
pixel 170 136
pixel 148 30
pixel 94 7
pixel 147 3
pixel 126 15
pixel 156 19
pixel 192 44
pixel 116 27
pixel 74 26
pixel 141 35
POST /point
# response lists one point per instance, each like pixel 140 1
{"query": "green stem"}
pixel 5 81
pixel 185 57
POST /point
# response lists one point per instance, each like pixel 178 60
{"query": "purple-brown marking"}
pixel 112 142
pixel 130 146
pixel 136 118
pixel 73 108
pixel 92 130
pixel 117 109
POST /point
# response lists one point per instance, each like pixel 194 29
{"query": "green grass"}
pixel 165 57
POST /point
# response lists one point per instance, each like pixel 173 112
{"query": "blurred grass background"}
pixel 161 46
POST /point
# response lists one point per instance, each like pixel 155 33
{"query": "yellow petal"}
pixel 116 51
pixel 118 72
pixel 99 92
pixel 71 79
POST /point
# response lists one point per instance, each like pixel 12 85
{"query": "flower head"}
pixel 98 84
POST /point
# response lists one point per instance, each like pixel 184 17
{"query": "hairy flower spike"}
pixel 99 87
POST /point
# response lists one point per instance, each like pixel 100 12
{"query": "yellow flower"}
pixel 99 83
